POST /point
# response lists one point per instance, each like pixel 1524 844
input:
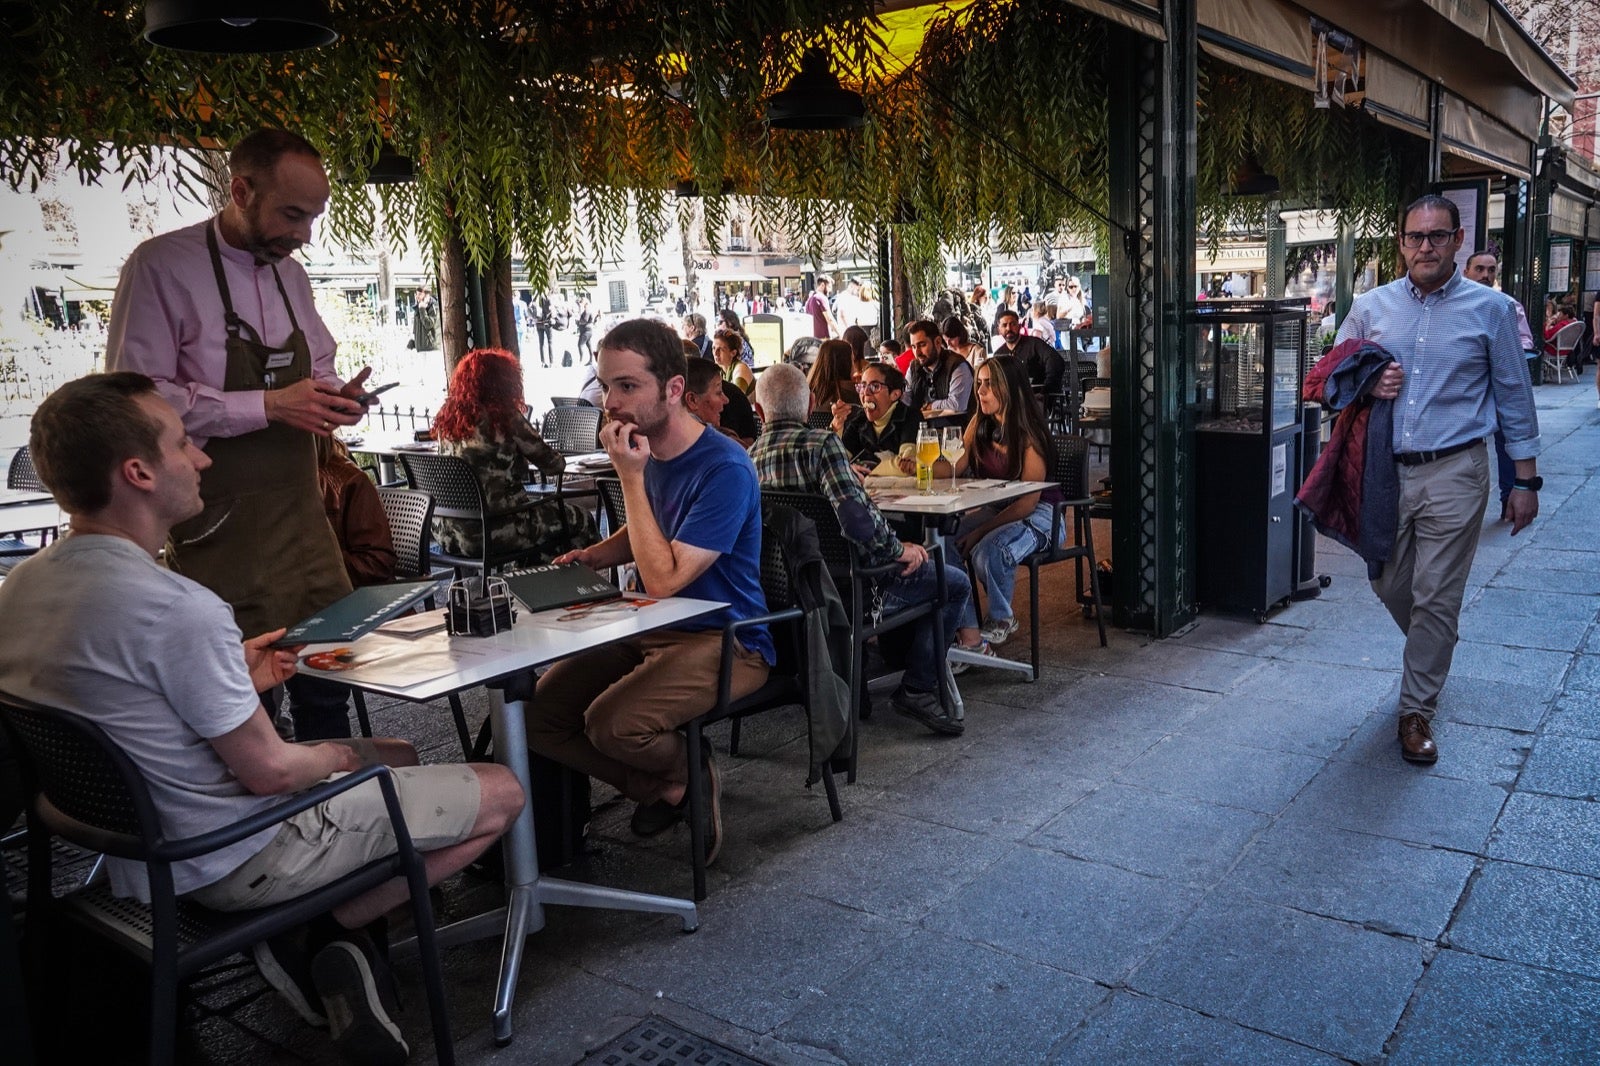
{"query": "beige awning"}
pixel 1471 133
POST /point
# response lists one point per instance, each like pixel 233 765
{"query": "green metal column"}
pixel 1152 173
pixel 1538 258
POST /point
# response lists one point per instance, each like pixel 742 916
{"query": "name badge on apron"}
pixel 279 360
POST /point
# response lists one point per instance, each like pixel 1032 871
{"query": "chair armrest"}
pixel 730 635
pixel 189 847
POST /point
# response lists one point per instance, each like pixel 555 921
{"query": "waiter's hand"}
pixel 628 448
pixel 354 389
pixel 269 666
pixel 1524 508
pixel 1388 386
pixel 314 406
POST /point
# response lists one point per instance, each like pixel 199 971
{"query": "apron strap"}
pixel 287 306
pixel 233 322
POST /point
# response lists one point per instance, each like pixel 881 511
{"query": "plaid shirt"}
pixel 789 455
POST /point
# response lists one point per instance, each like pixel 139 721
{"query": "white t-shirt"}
pixel 97 627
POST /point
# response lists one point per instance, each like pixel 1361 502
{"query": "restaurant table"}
pixel 387 445
pixel 899 496
pixel 30 516
pixel 464 662
pixel 384 445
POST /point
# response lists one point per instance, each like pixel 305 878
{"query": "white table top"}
pixel 28 517
pixel 970 494
pixel 464 662
pixel 391 442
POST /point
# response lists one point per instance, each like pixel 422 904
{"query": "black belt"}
pixel 1418 458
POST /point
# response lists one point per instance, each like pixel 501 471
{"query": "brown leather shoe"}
pixel 1416 739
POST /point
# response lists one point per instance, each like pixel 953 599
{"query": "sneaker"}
pixel 959 667
pixel 924 707
pixel 358 995
pixel 285 964
pixel 712 807
pixel 650 819
pixel 998 630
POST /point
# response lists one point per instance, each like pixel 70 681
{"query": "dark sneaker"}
pixel 924 707
pixel 712 807
pixel 358 995
pixel 652 818
pixel 285 964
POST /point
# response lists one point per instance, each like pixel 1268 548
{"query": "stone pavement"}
pixel 1204 849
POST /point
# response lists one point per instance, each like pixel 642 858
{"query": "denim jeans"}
pixel 927 650
pixel 995 558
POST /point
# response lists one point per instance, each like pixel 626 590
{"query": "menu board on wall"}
pixel 1591 270
pixel 1472 200
pixel 1560 266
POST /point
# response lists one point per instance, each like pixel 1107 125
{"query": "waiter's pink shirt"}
pixel 167 322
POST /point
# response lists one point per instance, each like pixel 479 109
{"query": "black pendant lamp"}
pixel 1252 179
pixel 814 99
pixel 390 168
pixel 238 26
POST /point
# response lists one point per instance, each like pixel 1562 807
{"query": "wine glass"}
pixel 953 447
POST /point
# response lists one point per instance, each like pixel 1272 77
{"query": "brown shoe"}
pixel 1416 739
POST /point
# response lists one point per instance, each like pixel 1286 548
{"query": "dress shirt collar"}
pixel 229 252
pixel 1444 290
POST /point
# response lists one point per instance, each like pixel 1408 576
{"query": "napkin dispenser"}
pixel 479 607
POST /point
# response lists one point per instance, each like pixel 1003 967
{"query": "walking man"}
pixel 1484 268
pixel 1459 372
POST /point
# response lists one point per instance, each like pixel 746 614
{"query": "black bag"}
pixel 566 358
pixel 560 811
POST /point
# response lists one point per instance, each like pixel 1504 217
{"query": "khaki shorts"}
pixel 325 842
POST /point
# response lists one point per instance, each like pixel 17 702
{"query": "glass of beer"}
pixel 927 455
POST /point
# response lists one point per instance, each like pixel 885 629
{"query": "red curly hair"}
pixel 485 390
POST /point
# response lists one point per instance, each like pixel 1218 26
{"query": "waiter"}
pixel 222 319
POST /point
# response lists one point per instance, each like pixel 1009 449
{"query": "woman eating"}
pixel 725 350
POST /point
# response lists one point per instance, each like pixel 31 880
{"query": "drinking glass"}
pixel 927 454
pixel 954 447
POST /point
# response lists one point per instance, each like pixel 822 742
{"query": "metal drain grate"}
pixel 654 1042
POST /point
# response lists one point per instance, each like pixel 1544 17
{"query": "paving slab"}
pixel 1089 919
pixel 1563 766
pixel 1483 625
pixel 1144 831
pixel 1545 918
pixel 1228 775
pixel 1304 726
pixel 1468 752
pixel 1540 670
pixel 1576 713
pixel 1549 831
pixel 1500 703
pixel 1142 1029
pixel 1471 1011
pixel 1322 983
pixel 1401 803
pixel 991 787
pixel 1374 881
pixel 935 998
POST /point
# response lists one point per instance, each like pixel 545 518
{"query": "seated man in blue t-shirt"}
pixel 694 529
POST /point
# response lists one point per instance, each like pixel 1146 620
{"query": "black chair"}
pixel 86 790
pixel 571 430
pixel 409 513
pixel 457 493
pixel 615 507
pixel 21 473
pixel 1072 474
pixel 847 565
pixel 569 401
pixel 786 686
pixel 820 420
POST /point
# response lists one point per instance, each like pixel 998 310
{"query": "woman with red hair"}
pixel 482 422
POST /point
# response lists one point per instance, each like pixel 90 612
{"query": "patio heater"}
pixel 238 26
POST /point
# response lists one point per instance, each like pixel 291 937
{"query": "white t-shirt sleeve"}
pixel 204 678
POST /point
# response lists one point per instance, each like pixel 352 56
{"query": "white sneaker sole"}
pixel 361 1027
pixel 285 985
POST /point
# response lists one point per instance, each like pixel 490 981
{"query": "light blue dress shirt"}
pixel 1466 374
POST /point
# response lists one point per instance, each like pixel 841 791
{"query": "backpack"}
pixel 566 358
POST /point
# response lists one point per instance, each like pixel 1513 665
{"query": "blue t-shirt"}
pixel 709 497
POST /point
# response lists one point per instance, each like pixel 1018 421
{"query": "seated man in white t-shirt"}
pixel 102 630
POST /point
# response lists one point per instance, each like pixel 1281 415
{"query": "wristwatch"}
pixel 1528 484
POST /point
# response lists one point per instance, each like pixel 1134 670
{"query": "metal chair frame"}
pixel 1072 474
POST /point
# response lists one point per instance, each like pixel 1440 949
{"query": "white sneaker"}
pixel 959 667
pixel 998 631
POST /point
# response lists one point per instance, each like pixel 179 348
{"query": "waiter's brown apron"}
pixel 263 542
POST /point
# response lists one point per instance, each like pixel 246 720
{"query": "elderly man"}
pixel 694 529
pixel 1458 373
pixel 788 455
pixel 939 383
pixel 693 330
pixel 221 317
pixel 157 661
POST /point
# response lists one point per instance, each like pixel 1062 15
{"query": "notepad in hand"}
pixel 358 613
pixel 541 588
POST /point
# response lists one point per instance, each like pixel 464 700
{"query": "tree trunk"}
pixel 502 315
pixel 453 302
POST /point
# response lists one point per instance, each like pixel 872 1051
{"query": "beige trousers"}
pixel 1440 516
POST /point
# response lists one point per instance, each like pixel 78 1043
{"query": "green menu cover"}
pixel 541 588
pixel 358 613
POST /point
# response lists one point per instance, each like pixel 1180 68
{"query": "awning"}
pixel 1471 133
pixel 903 20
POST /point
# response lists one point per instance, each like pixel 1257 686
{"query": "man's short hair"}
pixel 925 326
pixel 892 378
pixel 783 393
pixel 657 342
pixel 1006 312
pixel 260 151
pixel 1437 203
pixel 702 375
pixel 822 281
pixel 1480 253
pixel 85 429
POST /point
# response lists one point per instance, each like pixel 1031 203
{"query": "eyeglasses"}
pixel 1438 238
pixel 870 386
